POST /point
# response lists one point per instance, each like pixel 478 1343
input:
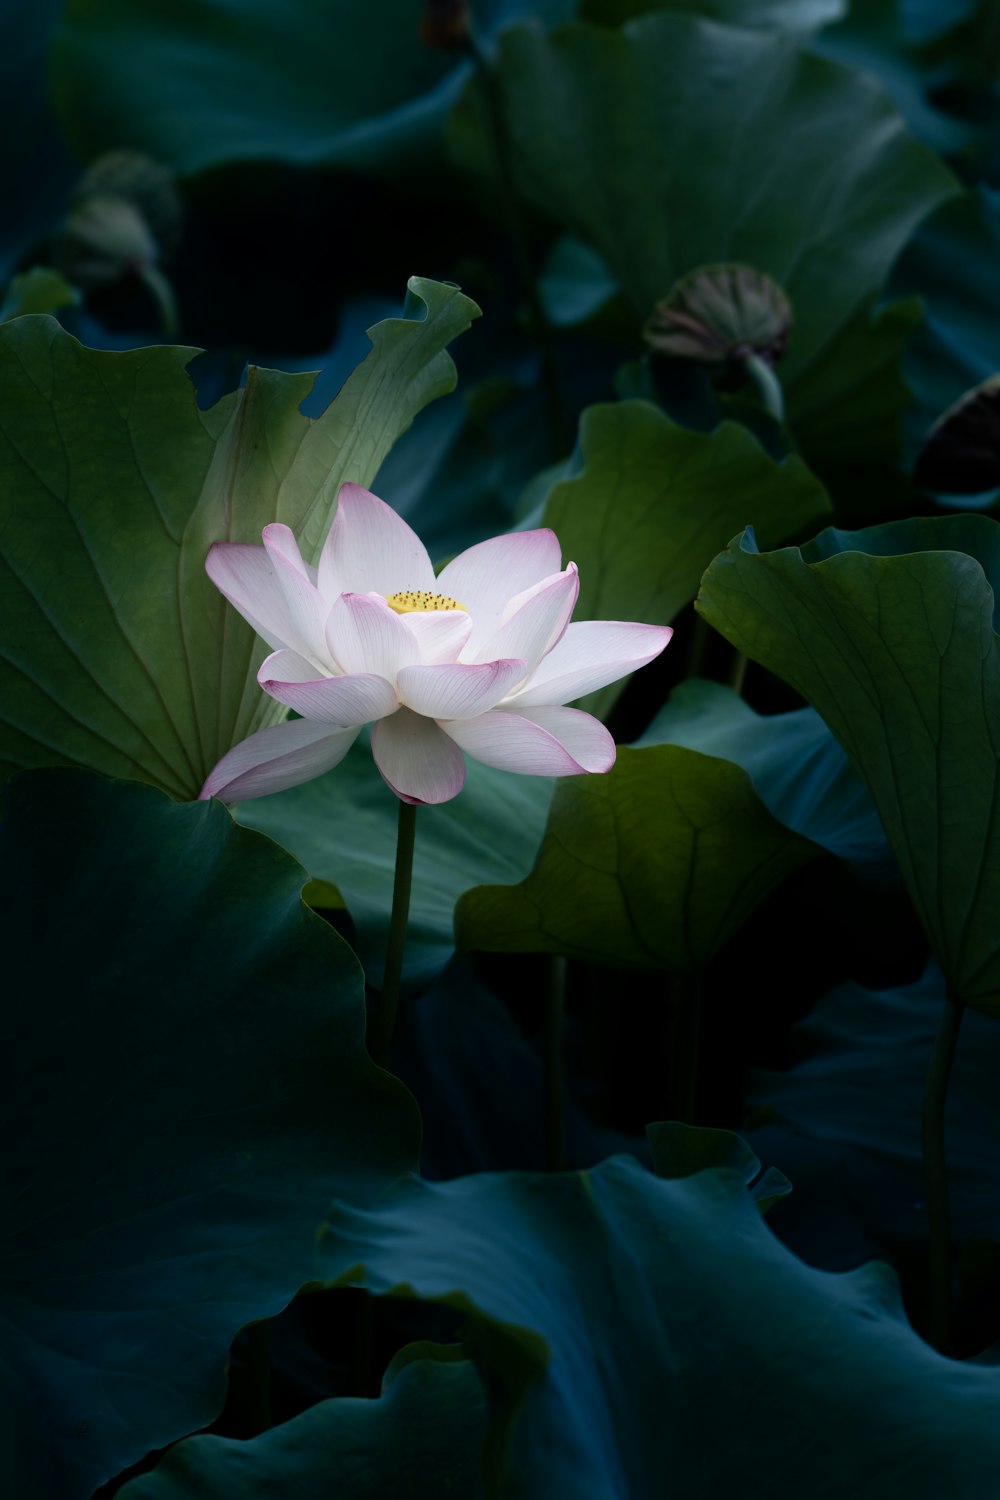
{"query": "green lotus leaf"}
pixel 653 866
pixel 614 1316
pixel 421 1439
pixel 889 634
pixel 191 1089
pixel 844 1120
pixel 295 80
pixel 787 162
pixel 799 771
pixel 342 827
pixel 652 502
pixel 122 657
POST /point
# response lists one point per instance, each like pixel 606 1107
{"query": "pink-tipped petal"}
pixel 365 635
pixel 440 634
pixel 306 608
pixel 542 742
pixel 275 759
pixel 370 549
pixel 279 538
pixel 416 759
pixel 347 702
pixel 457 690
pixel 486 576
pixel 591 654
pixel 534 621
pixel 244 574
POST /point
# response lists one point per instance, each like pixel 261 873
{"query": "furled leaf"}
pixel 889 634
pixel 342 827
pixel 653 502
pixel 121 655
pixel 799 771
pixel 786 162
pixel 652 866
pixel 421 1439
pixel 191 1088
pixel 296 80
pixel 615 1316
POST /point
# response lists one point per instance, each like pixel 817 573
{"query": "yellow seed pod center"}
pixel 413 602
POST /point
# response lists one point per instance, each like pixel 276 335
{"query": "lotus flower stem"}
pixel 392 978
pixel 936 1170
pixel 554 1065
pixel 768 386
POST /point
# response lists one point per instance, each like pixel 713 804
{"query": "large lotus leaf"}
pixel 616 1315
pixel 799 771
pixel 653 502
pixel 198 85
pixel 890 637
pixel 188 1088
pixel 342 827
pixel 879 36
pixel 652 866
pixel 785 161
pixel 421 1440
pixel 846 1118
pixel 778 15
pixel 952 263
pixel 121 655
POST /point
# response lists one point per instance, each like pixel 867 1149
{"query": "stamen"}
pixel 413 602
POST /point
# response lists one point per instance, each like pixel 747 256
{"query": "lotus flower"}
pixel 478 661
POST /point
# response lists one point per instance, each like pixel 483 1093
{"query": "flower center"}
pixel 411 602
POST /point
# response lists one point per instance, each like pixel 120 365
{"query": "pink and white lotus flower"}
pixel 480 660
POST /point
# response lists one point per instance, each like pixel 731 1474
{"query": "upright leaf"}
pixel 795 165
pixel 653 501
pixel 122 656
pixel 889 634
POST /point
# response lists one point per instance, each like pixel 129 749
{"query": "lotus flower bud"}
pixel 961 453
pixel 720 316
pixel 124 218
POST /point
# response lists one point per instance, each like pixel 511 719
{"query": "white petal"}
pixel 416 759
pixel 245 575
pixel 542 742
pixel 279 538
pixel 274 759
pixel 347 701
pixel 486 576
pixel 535 619
pixel 440 633
pixel 591 654
pixel 370 549
pixel 306 608
pixel 365 635
pixel 457 690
